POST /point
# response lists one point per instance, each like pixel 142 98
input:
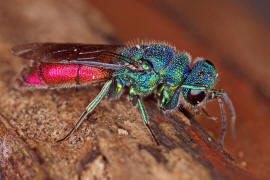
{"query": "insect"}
pixel 144 68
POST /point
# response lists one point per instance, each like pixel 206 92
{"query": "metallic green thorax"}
pixel 161 68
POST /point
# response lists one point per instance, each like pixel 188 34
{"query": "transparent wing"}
pixel 55 52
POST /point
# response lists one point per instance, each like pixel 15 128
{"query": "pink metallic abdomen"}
pixel 56 74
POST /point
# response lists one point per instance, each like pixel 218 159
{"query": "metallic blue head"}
pixel 202 74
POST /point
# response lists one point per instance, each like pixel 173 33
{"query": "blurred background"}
pixel 233 34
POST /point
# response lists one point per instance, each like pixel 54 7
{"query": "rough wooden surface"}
pixel 113 143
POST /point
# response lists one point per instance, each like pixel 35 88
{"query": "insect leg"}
pixel 224 121
pixel 145 118
pixel 232 112
pixel 89 108
pixel 217 94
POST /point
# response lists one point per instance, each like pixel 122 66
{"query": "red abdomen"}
pixel 61 75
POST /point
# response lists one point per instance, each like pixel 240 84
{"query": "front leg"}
pixel 218 94
pixel 208 95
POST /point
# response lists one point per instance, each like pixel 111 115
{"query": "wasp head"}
pixel 202 75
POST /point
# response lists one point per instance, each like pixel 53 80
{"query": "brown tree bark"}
pixel 113 143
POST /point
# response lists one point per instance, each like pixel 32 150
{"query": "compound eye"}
pixel 195 96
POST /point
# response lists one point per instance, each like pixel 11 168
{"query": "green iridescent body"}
pixel 168 73
pixel 164 69
pixel 160 65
